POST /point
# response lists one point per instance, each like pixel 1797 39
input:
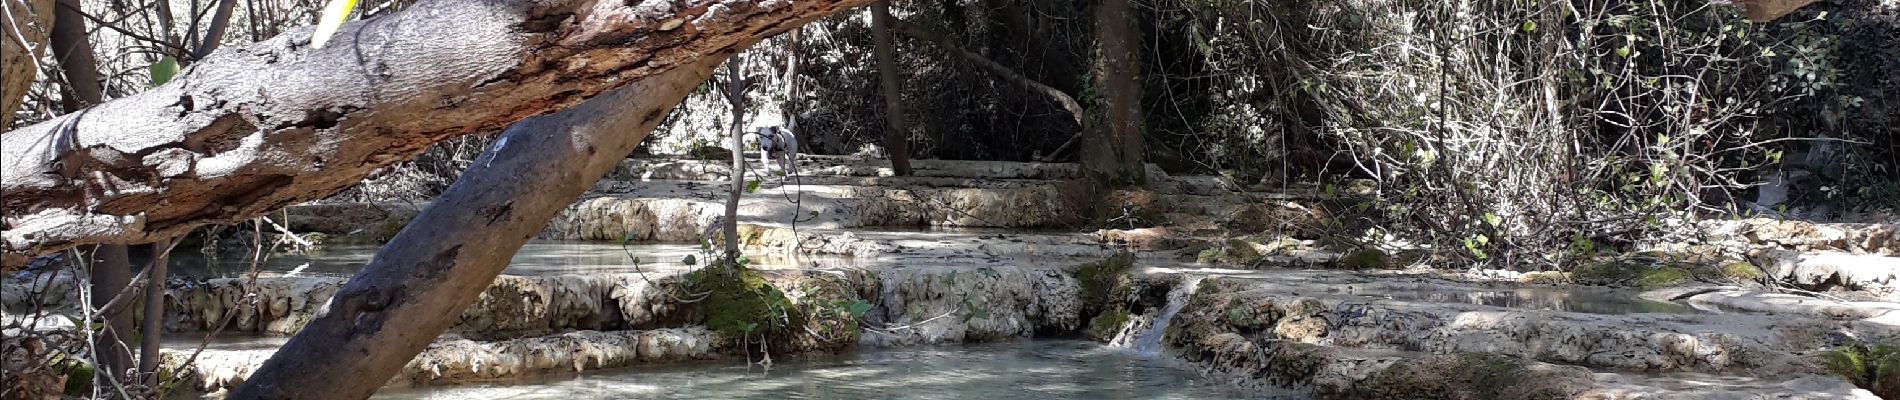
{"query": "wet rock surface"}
pixel 1255 331
pixel 1236 284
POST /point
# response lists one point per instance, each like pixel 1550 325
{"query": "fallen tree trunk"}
pixel 259 127
pixel 417 285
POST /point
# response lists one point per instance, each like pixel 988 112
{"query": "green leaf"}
pixel 1623 52
pixel 164 70
pixel 1529 26
pixel 858 308
pixel 334 13
pixel 689 260
pixel 752 186
pixel 1492 219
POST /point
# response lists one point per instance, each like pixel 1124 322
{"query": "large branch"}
pixel 1009 75
pixel 259 127
pixel 413 288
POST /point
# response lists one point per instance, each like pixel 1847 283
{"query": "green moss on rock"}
pixel 1231 252
pixel 1365 258
pixel 1875 367
pixel 1741 271
pixel 1632 272
pixel 1544 278
pixel 1472 376
pixel 1100 278
pixel 740 302
pixel 1103 327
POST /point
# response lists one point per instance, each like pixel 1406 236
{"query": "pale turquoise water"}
pixel 1037 369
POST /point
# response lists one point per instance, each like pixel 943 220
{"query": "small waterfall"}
pixel 1149 341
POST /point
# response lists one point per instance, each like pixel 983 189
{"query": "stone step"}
pixel 1735 299
pixel 808 165
pixel 1345 373
pixel 1866 276
pixel 1858 238
pixel 1018 300
pixel 227 362
pixel 1296 308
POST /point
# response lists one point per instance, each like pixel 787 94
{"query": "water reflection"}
pixel 1044 370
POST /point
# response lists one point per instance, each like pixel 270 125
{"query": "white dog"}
pixel 777 144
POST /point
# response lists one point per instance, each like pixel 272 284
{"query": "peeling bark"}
pixel 274 123
pixel 24 26
pixel 418 284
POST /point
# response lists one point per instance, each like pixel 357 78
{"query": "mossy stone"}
pixel 1103 327
pixel 740 302
pixel 1365 258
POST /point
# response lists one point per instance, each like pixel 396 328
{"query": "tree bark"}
pixel 274 123
pixel 1114 157
pixel 25 26
pixel 74 50
pixel 111 268
pixel 214 34
pixel 896 137
pixel 790 107
pixel 152 329
pixel 111 271
pixel 735 95
pixel 417 285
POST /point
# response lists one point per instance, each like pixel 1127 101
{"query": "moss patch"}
pixel 1471 376
pixel 1364 258
pixel 1100 278
pixel 740 302
pixel 1875 367
pixel 1741 271
pixel 1230 251
pixel 1632 272
pixel 1103 327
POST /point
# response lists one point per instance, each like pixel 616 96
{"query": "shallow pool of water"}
pixel 1040 369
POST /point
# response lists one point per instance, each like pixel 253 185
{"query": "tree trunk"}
pixel 111 268
pixel 1113 158
pixel 25 26
pixel 152 330
pixel 74 51
pixel 735 95
pixel 791 80
pixel 896 138
pixel 275 123
pixel 417 285
pixel 111 271
pixel 214 34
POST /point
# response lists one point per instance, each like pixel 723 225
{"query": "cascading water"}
pixel 1148 342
